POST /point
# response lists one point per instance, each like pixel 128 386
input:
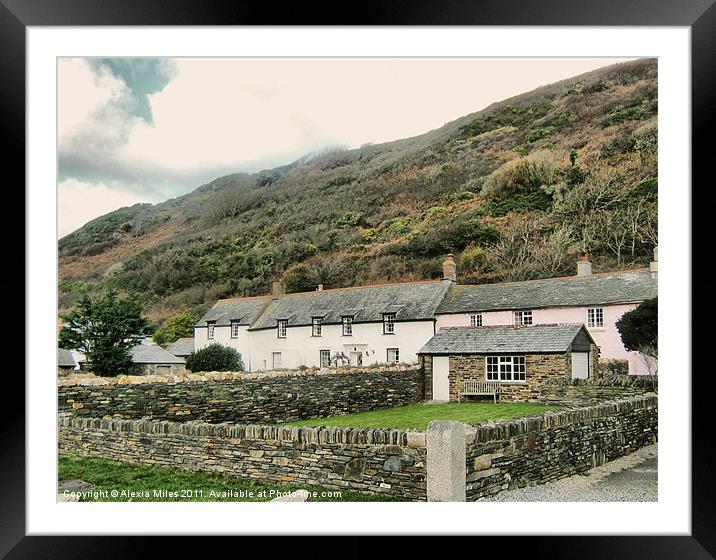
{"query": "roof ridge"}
pixel 574 277
pixel 470 328
pixel 347 288
pixel 243 298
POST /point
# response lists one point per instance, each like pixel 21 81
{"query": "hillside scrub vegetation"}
pixel 517 190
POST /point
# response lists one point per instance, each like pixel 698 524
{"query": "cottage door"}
pixel 441 384
pixel 580 365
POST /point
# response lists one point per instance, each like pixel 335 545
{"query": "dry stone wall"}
pixel 389 462
pixel 267 399
pixel 536 450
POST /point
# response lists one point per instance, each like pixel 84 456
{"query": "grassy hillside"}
pixel 517 190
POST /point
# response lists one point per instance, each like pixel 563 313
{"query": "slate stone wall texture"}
pixel 377 461
pixel 585 394
pixel 538 449
pixel 267 399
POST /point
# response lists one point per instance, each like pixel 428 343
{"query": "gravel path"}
pixel 632 478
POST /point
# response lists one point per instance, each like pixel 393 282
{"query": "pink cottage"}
pixel 596 300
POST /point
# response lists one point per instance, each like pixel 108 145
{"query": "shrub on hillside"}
pixel 215 357
pixel 522 176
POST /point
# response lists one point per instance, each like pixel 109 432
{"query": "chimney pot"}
pixel 584 267
pixel 450 268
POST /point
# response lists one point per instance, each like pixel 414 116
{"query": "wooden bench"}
pixel 476 388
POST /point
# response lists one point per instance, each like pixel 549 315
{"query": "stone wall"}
pixel 583 392
pixel 538 367
pixel 378 461
pixel 538 449
pixel 245 399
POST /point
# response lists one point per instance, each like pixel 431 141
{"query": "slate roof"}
pixel 65 358
pixel 243 310
pixel 597 289
pixel 181 347
pixel 547 338
pixel 411 301
pixel 145 354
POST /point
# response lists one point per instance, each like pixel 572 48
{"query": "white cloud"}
pixel 80 202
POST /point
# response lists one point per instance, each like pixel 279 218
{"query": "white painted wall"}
pixel 301 348
pixel 222 335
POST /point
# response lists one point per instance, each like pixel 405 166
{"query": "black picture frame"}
pixel 17 15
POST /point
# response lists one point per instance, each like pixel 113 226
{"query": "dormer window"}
pixel 388 323
pixel 281 328
pixel 347 323
pixel 210 325
pixel 234 329
pixel 317 326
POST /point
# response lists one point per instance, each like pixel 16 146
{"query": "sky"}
pixel 136 130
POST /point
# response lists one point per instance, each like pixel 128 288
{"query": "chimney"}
pixel 319 288
pixel 654 265
pixel 278 289
pixel 450 268
pixel 584 267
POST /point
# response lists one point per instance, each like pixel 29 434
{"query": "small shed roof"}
pixel 181 346
pixel 145 354
pixel 538 339
pixel 65 358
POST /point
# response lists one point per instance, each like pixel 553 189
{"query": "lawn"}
pixel 419 415
pixel 165 484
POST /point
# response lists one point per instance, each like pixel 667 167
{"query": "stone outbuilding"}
pixel 519 358
pixel 66 363
pixel 154 360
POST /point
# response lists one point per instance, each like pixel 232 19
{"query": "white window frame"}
pixel 210 326
pixel 506 369
pixel 397 355
pixel 273 360
pixel 521 316
pixel 281 328
pixel 388 323
pixel 595 317
pixel 347 326
pixel 476 319
pixel 316 326
pixel 234 329
pixel 321 355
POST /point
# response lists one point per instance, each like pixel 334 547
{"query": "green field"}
pixel 419 415
pixel 165 484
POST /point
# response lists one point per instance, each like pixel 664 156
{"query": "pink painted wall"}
pixel 607 338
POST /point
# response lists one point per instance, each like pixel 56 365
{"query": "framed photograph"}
pixel 413 265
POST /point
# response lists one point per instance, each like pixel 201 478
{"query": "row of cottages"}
pixel 346 326
pixel 391 323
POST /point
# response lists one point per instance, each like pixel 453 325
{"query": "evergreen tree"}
pixel 104 329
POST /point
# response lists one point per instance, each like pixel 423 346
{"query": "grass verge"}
pixel 144 483
pixel 419 415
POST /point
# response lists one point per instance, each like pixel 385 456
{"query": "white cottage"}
pixel 227 323
pixel 358 326
pixel 345 326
